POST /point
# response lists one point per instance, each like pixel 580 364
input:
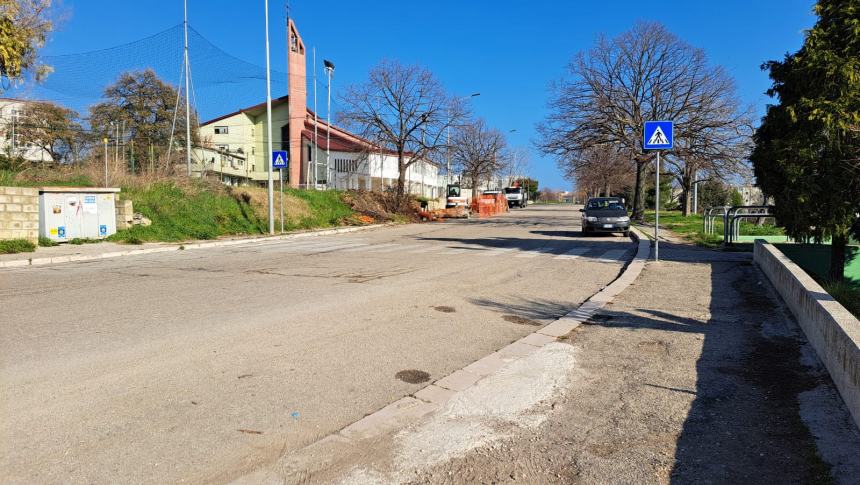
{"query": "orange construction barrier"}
pixel 488 205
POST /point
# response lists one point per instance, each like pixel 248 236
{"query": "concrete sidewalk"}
pixel 694 374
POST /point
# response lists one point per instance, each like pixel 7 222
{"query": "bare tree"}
pixel 403 109
pixel 53 129
pixel 479 151
pixel 646 73
pixel 601 169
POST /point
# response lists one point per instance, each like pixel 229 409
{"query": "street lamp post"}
pixel 329 70
pixel 269 125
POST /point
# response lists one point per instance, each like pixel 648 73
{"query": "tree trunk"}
pixel 837 258
pixel 401 177
pixel 638 193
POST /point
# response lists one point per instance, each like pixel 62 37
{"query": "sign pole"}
pixel 657 212
pixel 281 171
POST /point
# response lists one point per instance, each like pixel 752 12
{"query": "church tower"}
pixel 298 96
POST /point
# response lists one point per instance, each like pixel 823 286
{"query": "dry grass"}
pixel 295 209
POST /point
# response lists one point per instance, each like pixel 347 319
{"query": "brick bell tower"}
pixel 298 96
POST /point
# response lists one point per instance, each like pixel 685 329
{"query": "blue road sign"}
pixel 279 159
pixel 658 135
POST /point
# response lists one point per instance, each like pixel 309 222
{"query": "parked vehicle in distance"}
pixel 517 196
pixel 605 214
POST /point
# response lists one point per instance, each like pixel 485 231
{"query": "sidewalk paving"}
pixel 696 373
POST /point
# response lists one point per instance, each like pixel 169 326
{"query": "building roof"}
pixel 252 110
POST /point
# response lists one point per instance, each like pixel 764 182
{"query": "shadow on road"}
pixel 744 421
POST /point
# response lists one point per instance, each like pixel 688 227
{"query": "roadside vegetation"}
pixel 182 209
pixel 13 246
pixel 846 294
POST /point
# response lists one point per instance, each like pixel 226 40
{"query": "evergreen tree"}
pixel 806 151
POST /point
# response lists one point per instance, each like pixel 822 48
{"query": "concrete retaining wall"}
pixel 833 331
pixel 19 213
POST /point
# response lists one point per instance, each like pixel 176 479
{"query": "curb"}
pixel 180 247
pixel 433 397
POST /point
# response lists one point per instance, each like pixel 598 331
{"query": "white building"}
pixel 13 113
pixel 330 157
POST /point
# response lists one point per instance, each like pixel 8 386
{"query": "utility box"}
pixel 66 213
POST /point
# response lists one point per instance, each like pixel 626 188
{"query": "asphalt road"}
pixel 202 365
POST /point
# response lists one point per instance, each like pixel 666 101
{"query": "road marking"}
pixel 495 251
pixel 612 255
pixel 338 248
pixel 573 253
pixel 531 253
pixel 370 248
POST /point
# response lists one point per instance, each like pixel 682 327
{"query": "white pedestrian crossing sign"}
pixel 279 159
pixel 658 135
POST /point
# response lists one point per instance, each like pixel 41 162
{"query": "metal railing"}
pixel 732 217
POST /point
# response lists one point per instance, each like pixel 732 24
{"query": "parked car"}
pixel 517 196
pixel 605 214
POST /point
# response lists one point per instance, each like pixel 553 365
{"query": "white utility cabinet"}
pixel 66 213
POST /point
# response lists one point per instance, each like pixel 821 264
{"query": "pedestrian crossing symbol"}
pixel 658 135
pixel 279 159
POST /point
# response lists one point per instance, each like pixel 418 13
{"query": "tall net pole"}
pixel 188 99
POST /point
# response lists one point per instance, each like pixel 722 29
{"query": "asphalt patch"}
pixel 520 320
pixel 413 376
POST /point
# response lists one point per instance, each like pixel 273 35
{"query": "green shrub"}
pixel 47 242
pixel 846 294
pixel 12 246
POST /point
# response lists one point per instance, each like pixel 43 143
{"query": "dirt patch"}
pixel 413 376
pixel 295 209
pixel 444 309
pixel 520 320
pixel 382 206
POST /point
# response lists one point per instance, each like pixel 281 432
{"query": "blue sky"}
pixel 508 51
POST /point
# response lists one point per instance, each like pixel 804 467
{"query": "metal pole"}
pixel 329 71
pixel 14 119
pixel 281 172
pixel 316 138
pixel 116 149
pixel 695 196
pixel 132 156
pixel 151 157
pixel 657 213
pixel 187 92
pixel 106 161
pixel 328 130
pixel 269 123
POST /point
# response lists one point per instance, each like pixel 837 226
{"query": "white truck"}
pixel 517 196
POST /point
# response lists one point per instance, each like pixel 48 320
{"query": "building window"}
pixel 223 148
pixel 222 130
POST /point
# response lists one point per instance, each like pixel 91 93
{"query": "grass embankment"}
pixel 691 227
pixel 182 209
pixel 198 210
